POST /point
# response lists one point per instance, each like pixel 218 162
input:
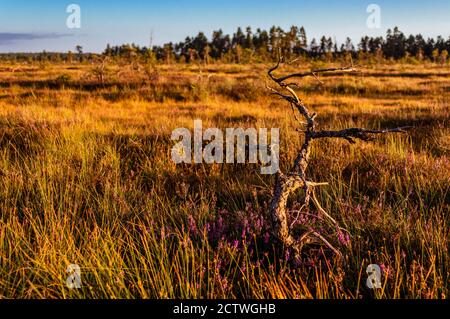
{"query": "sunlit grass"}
pixel 86 178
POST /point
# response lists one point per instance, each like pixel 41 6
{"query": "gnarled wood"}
pixel 287 184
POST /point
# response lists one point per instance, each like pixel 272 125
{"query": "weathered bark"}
pixel 284 187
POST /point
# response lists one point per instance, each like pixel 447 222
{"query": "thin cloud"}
pixel 7 37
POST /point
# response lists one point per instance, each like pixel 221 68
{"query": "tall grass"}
pixel 86 178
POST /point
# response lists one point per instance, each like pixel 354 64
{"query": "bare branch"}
pixel 314 73
pixel 285 185
pixel 357 133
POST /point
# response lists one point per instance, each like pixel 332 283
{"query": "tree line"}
pixel 248 46
pixel 262 45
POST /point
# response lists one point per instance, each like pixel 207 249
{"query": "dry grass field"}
pixel 86 178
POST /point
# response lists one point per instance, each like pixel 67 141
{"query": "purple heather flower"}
pixel 343 238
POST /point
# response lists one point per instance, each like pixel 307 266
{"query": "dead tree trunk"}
pixel 296 178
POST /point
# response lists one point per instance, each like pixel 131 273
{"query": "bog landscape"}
pixel 87 177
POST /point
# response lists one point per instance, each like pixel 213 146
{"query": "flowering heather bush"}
pixel 239 228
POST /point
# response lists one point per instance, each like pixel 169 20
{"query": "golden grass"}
pixel 86 178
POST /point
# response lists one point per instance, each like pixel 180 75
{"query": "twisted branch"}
pixel 286 184
pixel 280 80
pixel 357 133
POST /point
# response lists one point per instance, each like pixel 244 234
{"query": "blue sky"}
pixel 27 25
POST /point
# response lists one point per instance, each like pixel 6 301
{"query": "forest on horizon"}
pixel 265 46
